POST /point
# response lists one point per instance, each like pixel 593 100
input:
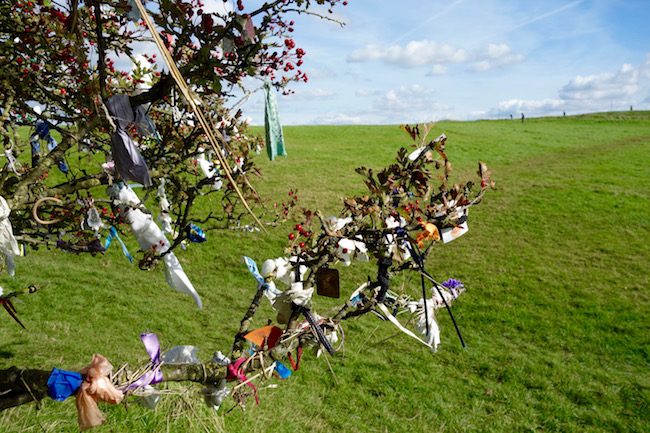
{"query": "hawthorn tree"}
pixel 409 207
pixel 66 57
pixel 62 61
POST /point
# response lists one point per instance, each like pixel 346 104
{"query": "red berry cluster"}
pixel 302 232
pixel 287 58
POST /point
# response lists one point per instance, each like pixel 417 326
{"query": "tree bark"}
pixel 21 386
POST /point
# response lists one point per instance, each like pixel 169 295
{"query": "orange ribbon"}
pixel 95 387
pixel 429 232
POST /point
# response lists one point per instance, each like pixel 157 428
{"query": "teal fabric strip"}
pixel 113 234
pixel 273 128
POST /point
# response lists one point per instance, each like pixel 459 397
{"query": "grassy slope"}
pixel 556 316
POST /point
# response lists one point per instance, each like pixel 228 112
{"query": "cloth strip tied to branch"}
pixel 272 126
pixel 191 101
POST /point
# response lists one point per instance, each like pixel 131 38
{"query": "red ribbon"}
pixel 296 365
pixel 11 310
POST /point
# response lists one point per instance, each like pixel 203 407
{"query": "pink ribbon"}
pixel 236 372
pixel 95 387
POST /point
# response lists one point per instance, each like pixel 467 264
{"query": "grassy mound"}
pixel 555 317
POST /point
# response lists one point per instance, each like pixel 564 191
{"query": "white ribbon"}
pixel 150 237
pixel 399 326
pixel 8 244
pixel 11 160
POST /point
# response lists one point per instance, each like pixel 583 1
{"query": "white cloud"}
pixel 495 56
pixel 413 54
pixel 426 52
pixel 339 119
pixel 364 93
pixel 317 93
pixel 321 73
pixel 622 84
pixel 219 7
pixel 414 97
pixel 529 107
pixel 598 92
pixel 437 70
pixel 414 103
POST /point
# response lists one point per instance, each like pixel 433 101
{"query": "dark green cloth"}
pixel 274 137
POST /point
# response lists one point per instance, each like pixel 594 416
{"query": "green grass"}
pixel 556 315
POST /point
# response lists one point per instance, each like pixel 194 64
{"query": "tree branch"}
pixel 21 386
pixel 20 195
pixel 101 63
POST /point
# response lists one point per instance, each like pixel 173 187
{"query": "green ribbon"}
pixel 273 128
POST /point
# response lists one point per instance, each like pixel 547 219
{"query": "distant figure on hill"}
pixel 510 116
pixel 564 114
pixel 631 108
pixel 523 117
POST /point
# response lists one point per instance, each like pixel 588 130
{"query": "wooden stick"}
pixel 190 98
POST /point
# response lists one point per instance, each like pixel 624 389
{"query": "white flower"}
pixel 349 249
pixel 207 167
pixel 282 269
pixel 399 252
pixel 335 224
pixel 345 251
pixel 297 294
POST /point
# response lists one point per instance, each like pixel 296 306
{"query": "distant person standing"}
pixel 523 117
pixel 564 114
pixel 510 116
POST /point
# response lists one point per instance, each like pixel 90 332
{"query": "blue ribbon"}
pixel 62 384
pixel 113 234
pixel 51 143
pixel 252 268
pixel 43 132
pixel 36 145
pixel 196 234
pixel 42 129
pixel 282 370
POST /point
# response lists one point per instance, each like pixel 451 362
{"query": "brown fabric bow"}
pixel 429 232
pixel 95 387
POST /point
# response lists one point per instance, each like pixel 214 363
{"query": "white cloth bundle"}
pixel 150 237
pixel 284 270
pixel 209 169
pixel 8 244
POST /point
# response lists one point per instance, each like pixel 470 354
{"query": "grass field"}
pixel 556 315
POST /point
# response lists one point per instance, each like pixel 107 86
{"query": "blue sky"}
pixel 413 61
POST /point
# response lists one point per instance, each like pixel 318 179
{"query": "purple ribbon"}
pixel 152 346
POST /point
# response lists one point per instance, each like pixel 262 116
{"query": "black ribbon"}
pixel 129 162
